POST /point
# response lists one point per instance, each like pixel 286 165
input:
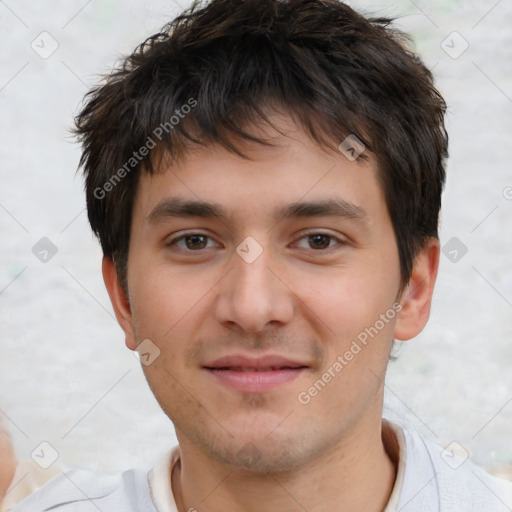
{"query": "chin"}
pixel 263 453
pixel 260 458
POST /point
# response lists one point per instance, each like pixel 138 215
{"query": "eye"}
pixel 192 242
pixel 319 241
pixel 195 242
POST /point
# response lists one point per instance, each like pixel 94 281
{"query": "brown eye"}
pixel 319 241
pixel 195 241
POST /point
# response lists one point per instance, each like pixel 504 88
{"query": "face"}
pixel 270 312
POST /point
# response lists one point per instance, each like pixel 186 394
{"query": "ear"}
pixel 119 301
pixel 417 296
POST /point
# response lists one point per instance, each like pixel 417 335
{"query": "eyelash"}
pixel 175 241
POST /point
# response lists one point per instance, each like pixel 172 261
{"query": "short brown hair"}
pixel 335 71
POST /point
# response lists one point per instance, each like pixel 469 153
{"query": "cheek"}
pixel 354 314
pixel 168 303
pixel 348 300
pixel 154 289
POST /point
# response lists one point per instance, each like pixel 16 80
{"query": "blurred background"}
pixel 66 377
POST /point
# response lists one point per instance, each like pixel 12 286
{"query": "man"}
pixel 265 180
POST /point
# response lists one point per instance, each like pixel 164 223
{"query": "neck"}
pixel 356 474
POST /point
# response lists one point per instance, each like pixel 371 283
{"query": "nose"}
pixel 253 296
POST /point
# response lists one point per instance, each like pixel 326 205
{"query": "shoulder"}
pixel 79 490
pixel 438 479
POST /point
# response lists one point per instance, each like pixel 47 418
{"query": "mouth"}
pixel 250 369
pixel 250 375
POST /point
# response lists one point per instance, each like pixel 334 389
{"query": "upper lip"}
pixel 242 361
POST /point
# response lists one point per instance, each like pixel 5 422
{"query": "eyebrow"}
pixel 176 207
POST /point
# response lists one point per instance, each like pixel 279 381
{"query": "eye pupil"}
pixel 320 241
pixel 196 241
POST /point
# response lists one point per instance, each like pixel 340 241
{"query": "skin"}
pixel 8 465
pixel 300 299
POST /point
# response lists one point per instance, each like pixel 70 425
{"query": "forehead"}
pixel 270 179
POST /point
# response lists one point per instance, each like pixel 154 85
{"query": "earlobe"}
pixel 416 298
pixel 119 301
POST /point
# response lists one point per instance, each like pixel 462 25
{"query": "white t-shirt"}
pixel 428 480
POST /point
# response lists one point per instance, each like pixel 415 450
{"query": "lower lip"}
pixel 255 382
